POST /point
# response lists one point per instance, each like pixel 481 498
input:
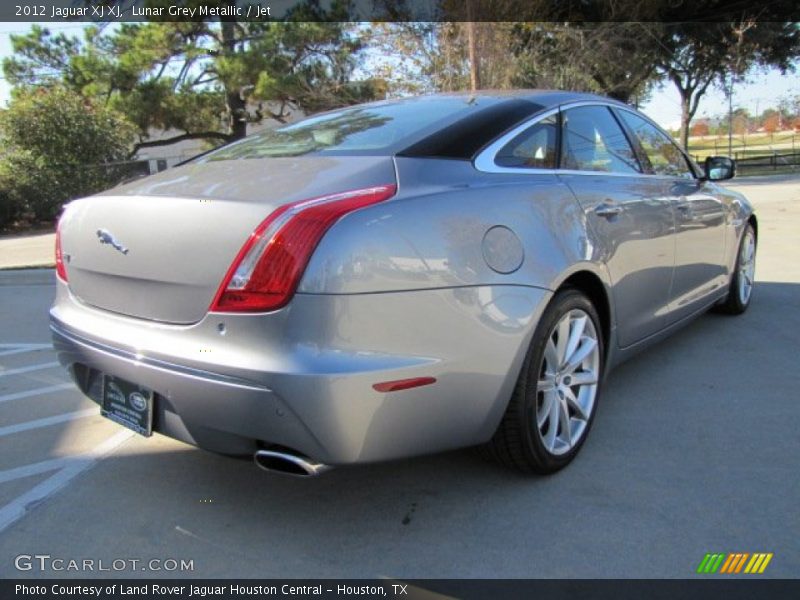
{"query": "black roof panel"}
pixel 502 110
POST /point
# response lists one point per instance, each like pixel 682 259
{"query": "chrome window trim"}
pixel 689 163
pixel 485 161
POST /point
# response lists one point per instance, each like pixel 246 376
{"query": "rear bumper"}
pixel 302 377
pixel 210 410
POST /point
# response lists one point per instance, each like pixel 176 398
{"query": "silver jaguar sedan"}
pixel 397 278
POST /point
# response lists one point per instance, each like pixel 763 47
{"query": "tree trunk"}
pixel 236 105
pixel 686 118
pixel 690 100
pixel 237 114
pixel 474 66
pixel 623 95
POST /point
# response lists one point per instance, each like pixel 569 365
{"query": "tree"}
pixel 586 46
pixel 474 58
pixel 789 107
pixel 771 120
pixel 57 146
pixel 609 58
pixel 428 57
pixel 695 55
pixel 741 121
pixel 605 58
pixel 700 128
pixel 205 79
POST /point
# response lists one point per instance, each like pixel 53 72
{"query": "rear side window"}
pixel 661 152
pixel 594 141
pixel 534 148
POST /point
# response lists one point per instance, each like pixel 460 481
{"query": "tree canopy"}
pixel 205 79
pixel 620 49
pixel 57 146
pixel 210 79
pixel 696 55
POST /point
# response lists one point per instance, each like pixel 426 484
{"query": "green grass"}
pixel 751 144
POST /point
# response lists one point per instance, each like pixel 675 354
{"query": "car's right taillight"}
pixel 61 269
pixel 265 273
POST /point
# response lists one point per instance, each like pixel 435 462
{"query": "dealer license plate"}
pixel 128 404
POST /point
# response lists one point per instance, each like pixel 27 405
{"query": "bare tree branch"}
pixel 200 135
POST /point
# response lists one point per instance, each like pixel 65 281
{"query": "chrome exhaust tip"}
pixel 288 464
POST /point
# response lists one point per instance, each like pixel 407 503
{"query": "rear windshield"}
pixel 367 129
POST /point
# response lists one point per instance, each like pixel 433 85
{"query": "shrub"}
pixel 56 146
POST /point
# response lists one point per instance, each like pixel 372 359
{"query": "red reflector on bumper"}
pixel 402 384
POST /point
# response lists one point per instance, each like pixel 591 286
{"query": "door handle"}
pixel 608 210
pixel 685 208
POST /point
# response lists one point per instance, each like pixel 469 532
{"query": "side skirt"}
pixel 620 355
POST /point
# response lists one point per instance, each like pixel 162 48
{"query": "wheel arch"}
pixel 591 284
pixel 752 220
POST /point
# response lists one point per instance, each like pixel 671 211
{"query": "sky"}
pixel 762 90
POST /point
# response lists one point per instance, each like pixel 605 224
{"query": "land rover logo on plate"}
pixel 138 401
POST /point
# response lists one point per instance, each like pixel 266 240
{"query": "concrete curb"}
pixel 31 250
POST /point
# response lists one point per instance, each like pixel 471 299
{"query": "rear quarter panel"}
pixel 433 234
pixel 413 277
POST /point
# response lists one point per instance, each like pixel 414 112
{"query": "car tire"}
pixel 554 401
pixel 740 292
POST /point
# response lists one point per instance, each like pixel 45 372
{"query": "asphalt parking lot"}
pixel 696 449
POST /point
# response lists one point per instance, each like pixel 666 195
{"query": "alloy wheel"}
pixel 747 266
pixel 568 381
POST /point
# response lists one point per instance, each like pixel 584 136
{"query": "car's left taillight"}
pixel 267 270
pixel 61 269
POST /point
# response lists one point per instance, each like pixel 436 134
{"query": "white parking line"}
pixel 74 466
pixel 66 468
pixel 48 421
pixel 33 469
pixel 37 392
pixel 18 351
pixel 26 346
pixel 21 370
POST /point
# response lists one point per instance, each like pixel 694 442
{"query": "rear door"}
pixel 629 213
pixel 699 219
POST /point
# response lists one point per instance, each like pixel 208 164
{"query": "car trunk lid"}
pixel 159 248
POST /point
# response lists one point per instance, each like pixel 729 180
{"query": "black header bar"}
pixel 729 588
pixel 109 11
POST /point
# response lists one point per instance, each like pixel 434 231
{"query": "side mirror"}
pixel 719 168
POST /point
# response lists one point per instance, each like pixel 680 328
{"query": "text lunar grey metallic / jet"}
pixel 397 278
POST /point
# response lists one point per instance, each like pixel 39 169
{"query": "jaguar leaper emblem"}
pixel 106 237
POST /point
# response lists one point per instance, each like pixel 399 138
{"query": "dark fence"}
pixel 121 172
pixel 772 161
pixel 747 162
